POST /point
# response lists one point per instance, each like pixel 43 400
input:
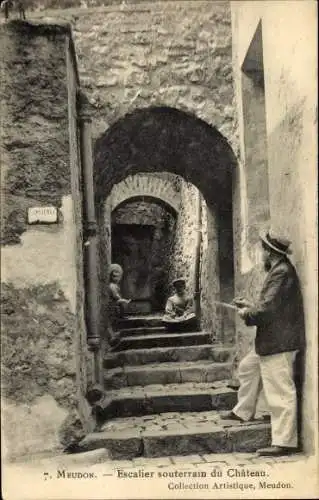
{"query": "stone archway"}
pixel 160 139
pixel 163 139
pixel 145 186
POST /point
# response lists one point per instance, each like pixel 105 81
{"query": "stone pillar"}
pixel 210 275
pixel 90 236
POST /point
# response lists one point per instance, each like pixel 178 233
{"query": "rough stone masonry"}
pixel 165 53
pixel 44 355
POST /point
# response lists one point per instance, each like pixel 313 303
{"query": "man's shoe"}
pixel 276 451
pixel 233 384
pixel 266 418
pixel 263 418
pixel 229 415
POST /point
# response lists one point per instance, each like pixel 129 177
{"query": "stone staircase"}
pixel 164 395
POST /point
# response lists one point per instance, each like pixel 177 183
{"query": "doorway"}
pixel 143 236
pixel 132 249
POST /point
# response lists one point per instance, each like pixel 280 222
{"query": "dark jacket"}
pixel 279 313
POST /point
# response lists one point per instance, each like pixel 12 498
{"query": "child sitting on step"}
pixel 179 311
pixel 117 304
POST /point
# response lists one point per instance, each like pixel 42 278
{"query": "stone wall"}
pixel 209 270
pixel 38 120
pixel 161 53
pixel 291 118
pixel 40 263
pixel 148 212
pixel 203 254
pixel 183 262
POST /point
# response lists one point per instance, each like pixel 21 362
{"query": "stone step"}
pixel 141 321
pixel 216 353
pixel 142 330
pixel 163 340
pixel 154 399
pixel 172 434
pixel 167 373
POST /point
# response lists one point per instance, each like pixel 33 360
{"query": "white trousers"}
pixel 274 374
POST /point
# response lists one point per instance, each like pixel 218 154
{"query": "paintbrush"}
pixel 227 306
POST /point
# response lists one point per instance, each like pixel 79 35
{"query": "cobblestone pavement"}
pixel 99 458
pixel 214 459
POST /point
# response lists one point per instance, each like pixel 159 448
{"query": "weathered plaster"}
pixel 291 97
pixel 45 255
pixel 38 364
pixel 44 351
pixel 28 430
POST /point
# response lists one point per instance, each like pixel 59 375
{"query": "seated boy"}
pixel 179 311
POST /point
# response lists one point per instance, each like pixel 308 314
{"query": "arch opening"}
pixel 166 141
pixel 158 139
pixel 145 186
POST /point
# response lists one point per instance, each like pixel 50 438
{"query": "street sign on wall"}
pixel 43 215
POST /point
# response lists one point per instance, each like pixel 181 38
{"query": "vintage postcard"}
pixel 159 249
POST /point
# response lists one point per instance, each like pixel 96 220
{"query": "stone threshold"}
pixel 178 435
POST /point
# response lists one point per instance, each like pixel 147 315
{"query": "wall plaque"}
pixel 44 215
